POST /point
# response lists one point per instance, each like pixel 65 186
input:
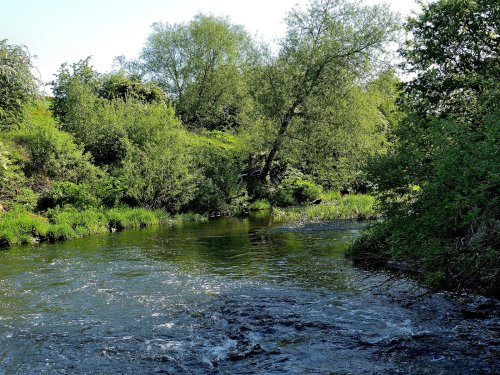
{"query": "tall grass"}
pixel 260 205
pixel 21 227
pixel 347 207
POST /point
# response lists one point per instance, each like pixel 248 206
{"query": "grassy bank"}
pixel 334 207
pixel 19 226
pixel 22 227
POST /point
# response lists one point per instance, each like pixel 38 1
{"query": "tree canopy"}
pixel 328 46
pixel 201 66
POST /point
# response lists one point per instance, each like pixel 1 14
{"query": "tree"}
pixel 439 183
pixel 454 55
pixel 125 87
pixel 160 173
pixel 336 139
pixel 69 81
pixel 106 112
pixel 200 65
pixel 327 46
pixel 81 77
pixel 17 84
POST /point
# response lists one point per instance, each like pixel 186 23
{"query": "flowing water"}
pixel 229 297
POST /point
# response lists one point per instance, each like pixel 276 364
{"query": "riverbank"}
pixel 22 227
pixel 333 207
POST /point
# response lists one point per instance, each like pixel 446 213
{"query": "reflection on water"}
pixel 229 296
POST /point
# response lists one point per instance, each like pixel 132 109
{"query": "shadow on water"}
pixel 231 296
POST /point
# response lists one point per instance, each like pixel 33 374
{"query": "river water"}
pixel 231 296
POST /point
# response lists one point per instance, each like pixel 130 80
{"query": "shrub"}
pixel 27 199
pixel 220 188
pixel 160 176
pixel 17 84
pixel 67 193
pixel 12 178
pixel 294 188
pixel 329 196
pixel 122 218
pixel 60 232
pixel 52 152
pixel 348 207
pixel 90 221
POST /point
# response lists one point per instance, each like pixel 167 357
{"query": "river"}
pixel 231 296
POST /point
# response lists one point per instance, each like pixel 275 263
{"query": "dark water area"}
pixel 230 297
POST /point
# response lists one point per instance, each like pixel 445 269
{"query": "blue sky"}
pixel 59 31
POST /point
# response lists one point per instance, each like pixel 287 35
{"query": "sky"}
pixel 58 31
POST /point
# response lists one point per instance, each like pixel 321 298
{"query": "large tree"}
pixel 327 46
pixel 201 66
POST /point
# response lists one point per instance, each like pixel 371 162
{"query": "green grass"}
pixel 19 227
pixel 330 196
pixel 125 218
pixel 260 205
pixel 22 227
pixel 347 207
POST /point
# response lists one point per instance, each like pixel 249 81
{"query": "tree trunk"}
pixel 270 157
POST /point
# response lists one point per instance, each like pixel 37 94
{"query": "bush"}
pixel 90 221
pixel 220 188
pixel 122 218
pixel 295 188
pixel 189 217
pixel 348 207
pixel 67 193
pixel 160 176
pixel 27 199
pixel 12 178
pixel 329 196
pixel 61 232
pixel 109 191
pixel 52 152
pixel 17 84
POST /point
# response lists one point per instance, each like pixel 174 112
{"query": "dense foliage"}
pixel 17 84
pixel 439 183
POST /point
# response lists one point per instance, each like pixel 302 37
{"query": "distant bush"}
pixel 26 198
pixel 295 188
pixel 12 178
pixel 86 222
pixel 17 84
pixel 160 176
pixel 329 196
pixel 123 218
pixel 18 226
